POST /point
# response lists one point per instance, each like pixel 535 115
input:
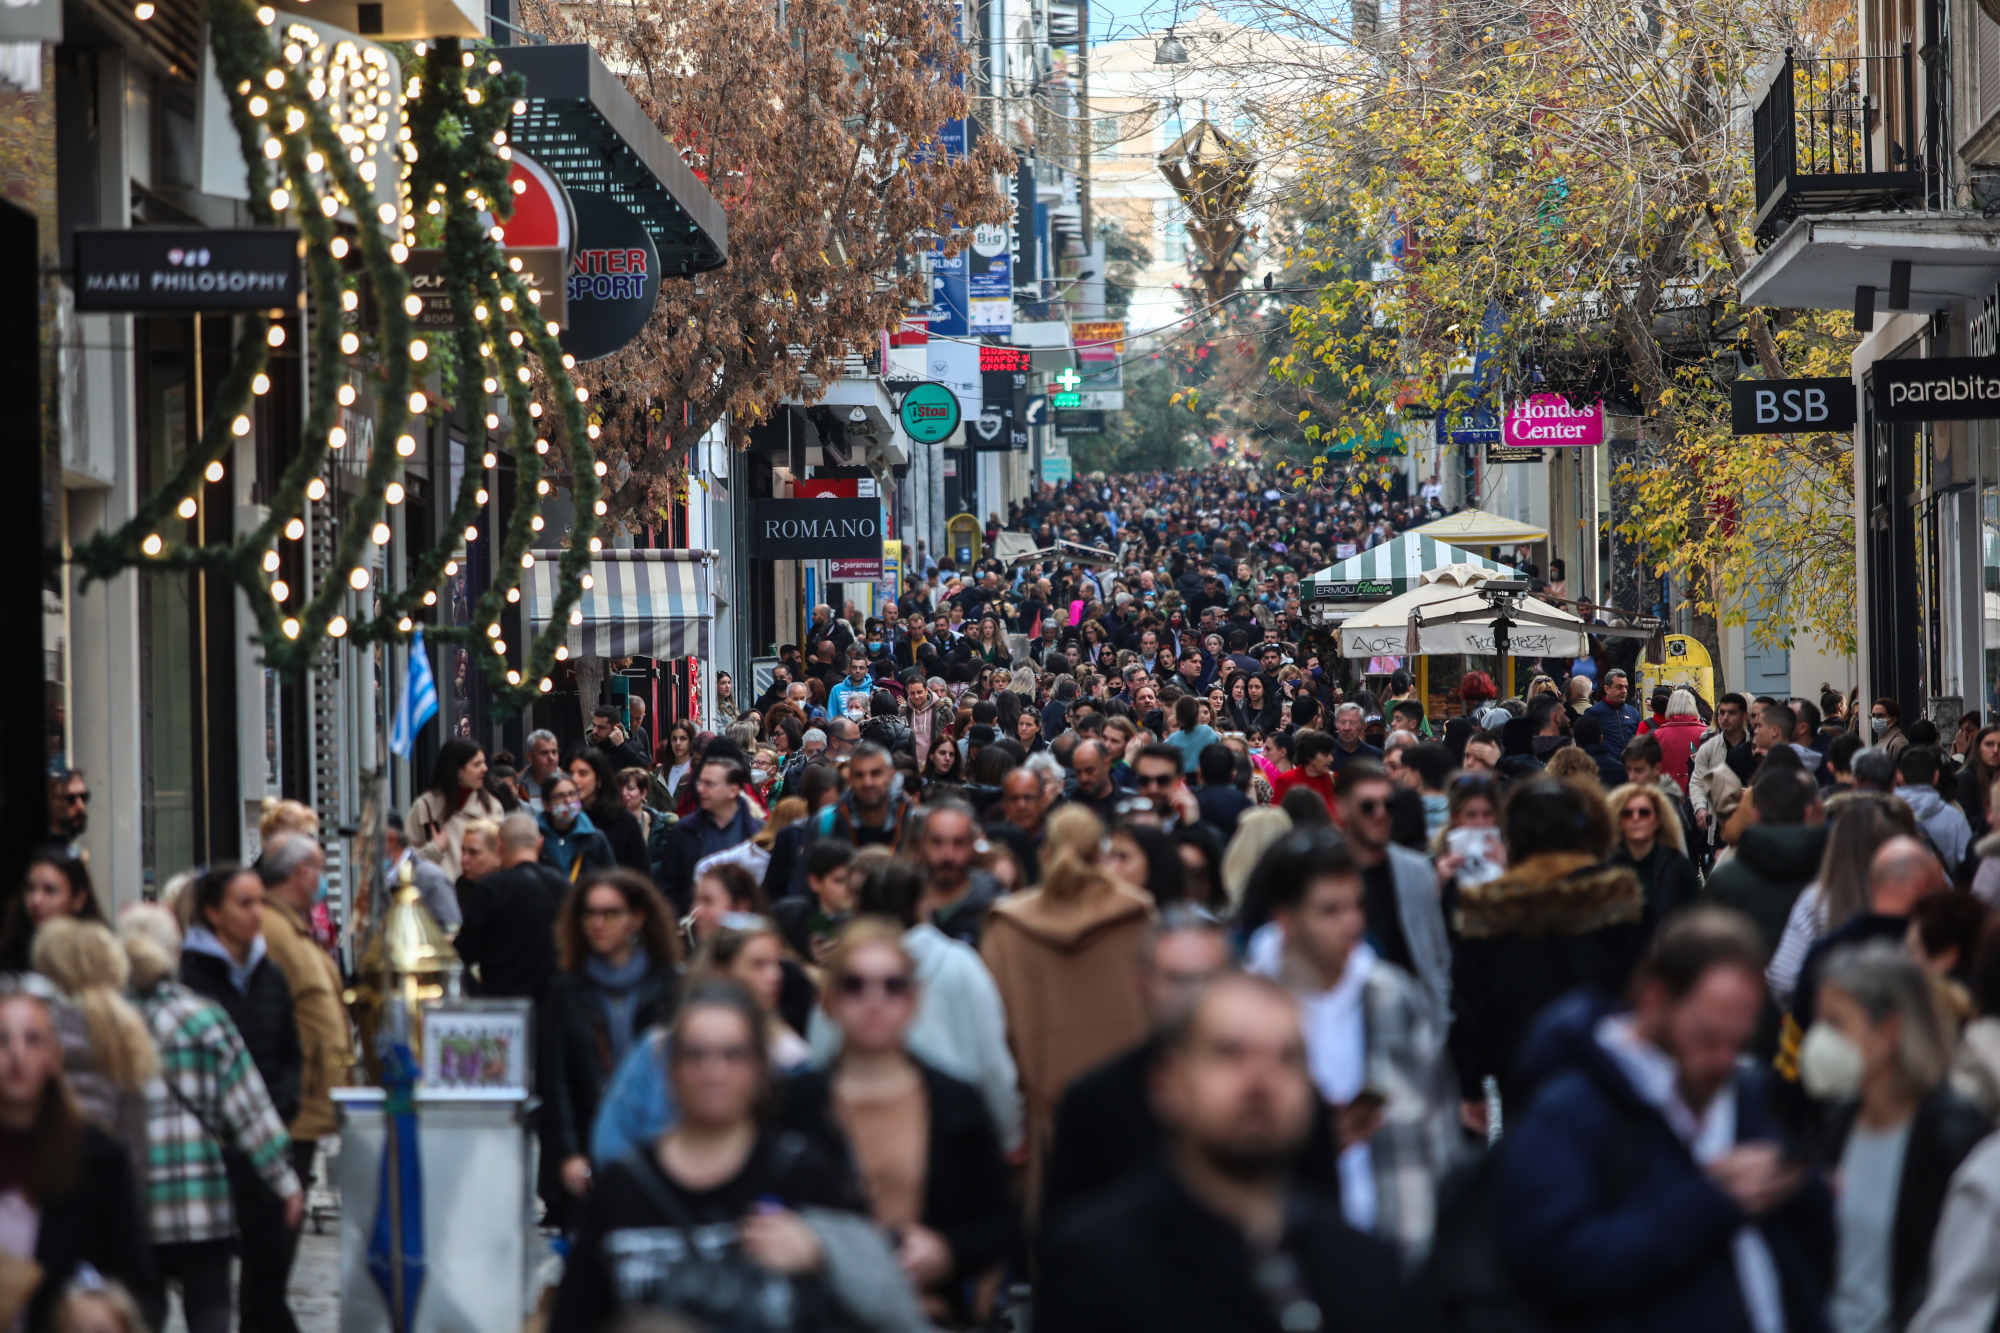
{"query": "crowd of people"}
pixel 1075 939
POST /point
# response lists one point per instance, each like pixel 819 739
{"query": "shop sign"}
pixel 989 282
pixel 1078 423
pixel 543 214
pixel 1100 357
pixel 948 316
pixel 1497 454
pixel 614 280
pixel 930 413
pixel 31 21
pixel 816 529
pixel 542 268
pixel 1057 469
pixel 1360 590
pixel 1001 425
pixel 1066 402
pixel 1780 407
pixel 1548 419
pixel 1964 388
pixel 157 268
pixel 849 571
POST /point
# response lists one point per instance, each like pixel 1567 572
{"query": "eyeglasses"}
pixel 1636 812
pixel 854 986
pixel 1154 780
pixel 1370 807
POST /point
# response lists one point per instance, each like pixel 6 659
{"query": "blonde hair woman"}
pixel 1256 831
pixel 108 1053
pixel 1649 841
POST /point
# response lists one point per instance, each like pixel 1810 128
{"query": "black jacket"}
pixel 263 1016
pixel 1106 1131
pixel 1668 878
pixel 1550 924
pixel 1772 863
pixel 967 1199
pixel 620 828
pixel 1147 1257
pixel 1945 1129
pixel 1221 806
pixel 98 1223
pixel 696 837
pixel 509 930
pixel 576 1053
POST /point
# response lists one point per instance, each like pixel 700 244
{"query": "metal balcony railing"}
pixel 1841 134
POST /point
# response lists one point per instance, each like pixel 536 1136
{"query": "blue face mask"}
pixel 874 645
pixel 319 894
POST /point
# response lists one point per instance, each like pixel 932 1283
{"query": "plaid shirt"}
pixel 187 1185
pixel 1416 1142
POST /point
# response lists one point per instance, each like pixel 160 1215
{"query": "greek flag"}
pixel 420 700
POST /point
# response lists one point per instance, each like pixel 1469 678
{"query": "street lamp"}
pixel 1169 51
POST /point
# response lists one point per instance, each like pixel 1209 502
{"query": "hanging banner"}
pixel 615 280
pixel 989 283
pixel 1547 419
pixel 1100 355
pixel 950 316
pixel 1962 388
pixel 1781 407
pixel 1002 421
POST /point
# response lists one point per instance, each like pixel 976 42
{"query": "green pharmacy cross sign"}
pixel 1069 380
pixel 930 413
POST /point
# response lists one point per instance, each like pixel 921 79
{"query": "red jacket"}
pixel 1298 777
pixel 1678 738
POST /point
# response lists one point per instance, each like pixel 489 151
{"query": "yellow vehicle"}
pixel 1688 664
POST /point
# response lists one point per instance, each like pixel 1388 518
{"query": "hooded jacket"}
pixel 1945 825
pixel 1657 1250
pixel 1773 862
pixel 1556 921
pixel 1067 969
pixel 1679 738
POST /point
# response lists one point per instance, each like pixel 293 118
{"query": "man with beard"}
pixel 1219 1235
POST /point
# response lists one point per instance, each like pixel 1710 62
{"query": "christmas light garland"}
pixel 315 121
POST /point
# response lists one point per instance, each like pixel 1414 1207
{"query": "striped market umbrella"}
pixel 1393 568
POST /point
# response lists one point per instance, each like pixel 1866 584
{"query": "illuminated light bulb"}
pixel 293 54
pixel 380 534
pixel 506 302
pixel 413 304
pixel 520 186
pixel 337 627
pixel 295 119
pixel 418 402
pixel 513 678
pixel 535 410
pixel 554 328
pixel 493 67
pixel 486 349
pixel 314 161
pixel 562 652
pixel 492 385
pixel 587 582
pixel 316 490
pixel 337 437
pixel 520 108
pixel 569 362
pixel 406 624
pixel 430 599
pixel 472 95
pixel 258 106
pixel 339 247
pixel 295 530
pixel 468 60
pixel 582 395
pixel 492 421
pixel 270 562
pixel 273 149
pixel 367 172
pixel 576 616
pixel 432 208
pixel 280 590
pixel 266 15
pixel 490 459
pixel 602 509
pixel 471 533
pixel 534 296
pixel 186 508
pixel 480 312
pixel 527 560
pixel 260 385
pixel 513 594
pixel 493 631
pixel 547 685
pixel 274 79
pixel 600 468
pixel 541 447
pixel 450 568
pixel 418 349
pixel 291 628
pixel 481 495
pixel 387 213
pixel 596 544
pixel 152 544
pixel 542 486
pixel 142 11
pixel 350 343
pixel 350 301
pixel 214 471
pixel 499 647
pixel 281 199
pixel 535 523
pixel 393 492
pixel 514 262
pixel 240 426
pixel 399 252
pixel 500 234
pixel 405 445
pixel 592 430
pixel 275 335
pixel 357 578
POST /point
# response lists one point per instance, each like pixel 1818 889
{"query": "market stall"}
pixel 1476 527
pixel 1363 582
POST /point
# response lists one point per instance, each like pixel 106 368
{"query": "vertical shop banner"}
pixel 989 281
pixel 956 366
pixel 1100 355
pixel 950 315
pixel 1002 423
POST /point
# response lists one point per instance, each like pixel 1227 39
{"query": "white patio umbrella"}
pixel 1449 616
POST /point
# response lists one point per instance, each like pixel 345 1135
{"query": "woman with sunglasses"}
pixel 1649 841
pixel 920 1143
pixel 723 1220
pixel 615 978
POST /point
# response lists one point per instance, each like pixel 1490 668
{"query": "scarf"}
pixel 617 987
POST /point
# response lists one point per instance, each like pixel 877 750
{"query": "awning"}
pixel 1393 568
pixel 1453 618
pixel 640 603
pixel 1476 527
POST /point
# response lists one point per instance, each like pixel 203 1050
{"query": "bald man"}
pixel 1094 788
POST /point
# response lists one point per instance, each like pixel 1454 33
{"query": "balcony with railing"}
pixel 1842 134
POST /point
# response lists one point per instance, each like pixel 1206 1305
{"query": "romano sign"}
pixel 818 529
pixel 1946 389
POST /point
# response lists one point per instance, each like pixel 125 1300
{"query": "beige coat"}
pixel 428 816
pixel 1068 973
pixel 322 1018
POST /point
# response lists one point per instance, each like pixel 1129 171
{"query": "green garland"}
pixel 454 154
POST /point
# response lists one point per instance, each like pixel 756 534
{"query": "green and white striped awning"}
pixel 1392 569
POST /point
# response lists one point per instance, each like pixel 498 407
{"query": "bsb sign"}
pixel 821 529
pixel 1947 389
pixel 1781 407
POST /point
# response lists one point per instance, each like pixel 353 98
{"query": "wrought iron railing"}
pixel 1843 134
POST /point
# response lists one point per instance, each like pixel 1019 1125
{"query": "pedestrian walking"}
pixel 457 793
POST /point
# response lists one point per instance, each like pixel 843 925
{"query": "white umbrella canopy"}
pixel 1453 618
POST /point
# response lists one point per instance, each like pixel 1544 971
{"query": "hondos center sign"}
pixel 824 528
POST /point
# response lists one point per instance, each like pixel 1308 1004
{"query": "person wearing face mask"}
pixel 1879 1051
pixel 570 841
pixel 1885 719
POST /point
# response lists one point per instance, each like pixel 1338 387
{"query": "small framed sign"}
pixel 479 1048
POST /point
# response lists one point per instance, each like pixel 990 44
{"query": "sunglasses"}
pixel 1370 807
pixel 1636 812
pixel 1154 780
pixel 892 988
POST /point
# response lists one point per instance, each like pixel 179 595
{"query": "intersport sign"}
pixel 1965 388
pixel 1547 420
pixel 816 529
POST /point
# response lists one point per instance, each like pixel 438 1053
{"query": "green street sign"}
pixel 1061 400
pixel 930 413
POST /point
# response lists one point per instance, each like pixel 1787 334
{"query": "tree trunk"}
pixel 590 676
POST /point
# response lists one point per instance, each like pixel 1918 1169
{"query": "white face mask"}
pixel 760 776
pixel 1880 724
pixel 1830 1064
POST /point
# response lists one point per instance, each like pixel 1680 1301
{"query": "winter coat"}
pixel 509 931
pixel 579 848
pixel 621 829
pixel 1678 738
pixel 1943 825
pixel 431 814
pixel 1067 972
pixel 576 1053
pixel 263 1017
pixel 97 1223
pixel 1975 1069
pixel 1658 1254
pixel 324 1041
pixel 1964 1294
pixel 1554 922
pixel 1945 1129
pixel 1668 878
pixel 696 838
pixel 967 1197
pixel 1773 862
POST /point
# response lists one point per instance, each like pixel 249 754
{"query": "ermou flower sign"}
pixel 1548 421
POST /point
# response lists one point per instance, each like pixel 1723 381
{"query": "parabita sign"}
pixel 824 528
